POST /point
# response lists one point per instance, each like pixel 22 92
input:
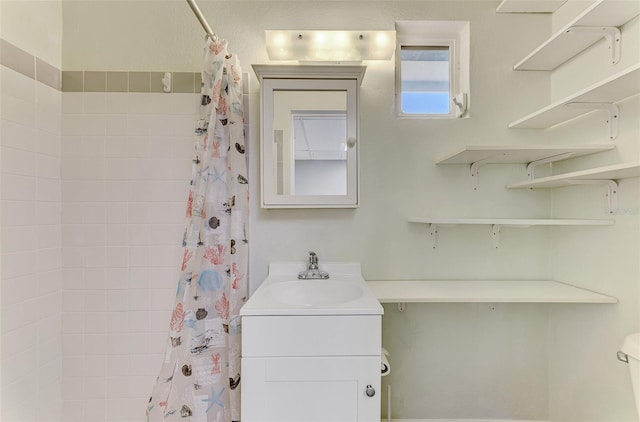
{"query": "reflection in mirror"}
pixel 310 148
pixel 320 150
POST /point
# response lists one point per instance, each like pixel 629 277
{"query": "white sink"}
pixel 344 293
pixel 315 292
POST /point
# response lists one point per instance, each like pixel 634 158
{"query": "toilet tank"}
pixel 631 348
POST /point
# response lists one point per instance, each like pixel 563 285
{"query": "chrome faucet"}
pixel 312 271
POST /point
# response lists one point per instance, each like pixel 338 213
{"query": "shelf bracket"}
pixel 531 167
pixel 611 187
pixel 401 306
pixel 433 232
pixel 610 33
pixel 495 234
pixel 475 167
pixel 612 109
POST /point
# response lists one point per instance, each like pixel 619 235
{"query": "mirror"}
pixel 309 136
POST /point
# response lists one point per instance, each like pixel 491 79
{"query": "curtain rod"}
pixel 201 18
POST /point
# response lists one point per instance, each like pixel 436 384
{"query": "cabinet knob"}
pixel 370 391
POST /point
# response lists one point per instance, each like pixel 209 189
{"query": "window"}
pixel 432 68
pixel 426 80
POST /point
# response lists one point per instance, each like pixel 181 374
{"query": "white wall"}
pixel 399 180
pixel 126 165
pixel 34 26
pixel 31 277
pixel 449 361
pixel 587 383
pixel 30 238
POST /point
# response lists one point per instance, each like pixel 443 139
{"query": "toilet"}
pixel 630 353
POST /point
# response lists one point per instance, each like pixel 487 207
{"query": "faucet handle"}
pixel 313 259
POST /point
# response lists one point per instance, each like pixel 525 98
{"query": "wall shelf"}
pixel 485 291
pixel 497 223
pixel 496 154
pixel 599 20
pixel 606 176
pixel 615 88
pixel 614 172
pixel 532 155
pixel 529 6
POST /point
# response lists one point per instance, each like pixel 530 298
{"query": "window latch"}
pixel 460 101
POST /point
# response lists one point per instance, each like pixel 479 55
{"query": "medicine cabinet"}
pixel 309 135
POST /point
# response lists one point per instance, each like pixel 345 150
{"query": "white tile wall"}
pixel 93 189
pixel 126 164
pixel 30 247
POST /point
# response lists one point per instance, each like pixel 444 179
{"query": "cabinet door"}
pixel 309 134
pixel 326 389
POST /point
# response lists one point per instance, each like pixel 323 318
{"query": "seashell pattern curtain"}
pixel 200 377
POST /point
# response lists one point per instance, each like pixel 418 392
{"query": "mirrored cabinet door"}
pixel 309 140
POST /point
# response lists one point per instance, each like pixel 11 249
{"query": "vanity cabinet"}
pixel 311 368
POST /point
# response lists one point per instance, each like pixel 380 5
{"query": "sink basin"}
pixel 315 292
pixel 281 293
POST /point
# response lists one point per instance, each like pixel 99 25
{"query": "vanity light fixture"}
pixel 330 46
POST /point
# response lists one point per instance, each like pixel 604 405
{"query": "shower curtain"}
pixel 200 376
